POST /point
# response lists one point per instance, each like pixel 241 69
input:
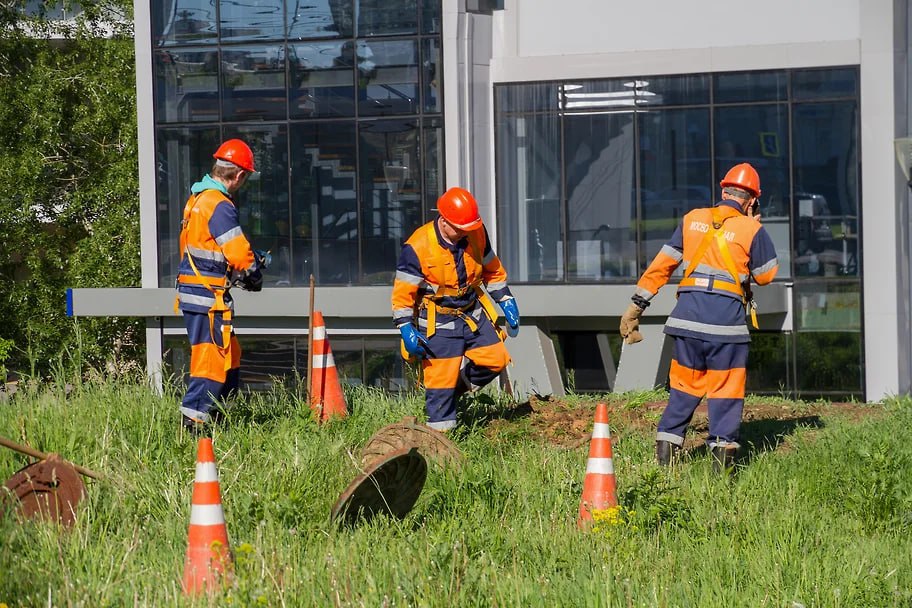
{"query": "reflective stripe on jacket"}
pixel 429 266
pixel 712 308
pixel 212 236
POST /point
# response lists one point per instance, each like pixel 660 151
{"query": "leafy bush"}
pixel 70 214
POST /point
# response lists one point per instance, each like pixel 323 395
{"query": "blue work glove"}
pixel 263 258
pixel 414 342
pixel 511 314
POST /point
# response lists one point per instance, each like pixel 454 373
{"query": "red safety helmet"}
pixel 742 176
pixel 237 152
pixel 458 207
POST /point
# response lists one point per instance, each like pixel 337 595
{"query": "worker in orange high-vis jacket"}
pixel 215 255
pixel 446 277
pixel 721 249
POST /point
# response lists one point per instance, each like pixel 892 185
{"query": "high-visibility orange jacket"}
pixel 212 246
pixel 710 302
pixel 433 275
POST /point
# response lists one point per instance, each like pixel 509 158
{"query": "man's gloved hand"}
pixel 263 258
pixel 252 281
pixel 630 324
pixel 415 343
pixel 511 314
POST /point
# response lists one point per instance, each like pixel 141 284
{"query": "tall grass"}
pixel 825 522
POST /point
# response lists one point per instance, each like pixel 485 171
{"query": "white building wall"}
pixel 535 42
pixel 595 26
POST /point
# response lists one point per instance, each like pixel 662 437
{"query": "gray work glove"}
pixel 630 324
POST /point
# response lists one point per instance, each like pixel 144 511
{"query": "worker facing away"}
pixel 215 255
pixel 442 311
pixel 721 248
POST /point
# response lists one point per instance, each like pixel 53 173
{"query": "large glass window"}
pixel 826 189
pixel 390 193
pixel 601 190
pixel 340 101
pixel 529 197
pixel 180 151
pixel 321 79
pixel 249 20
pixel 593 177
pixel 186 85
pixel 675 171
pixel 183 22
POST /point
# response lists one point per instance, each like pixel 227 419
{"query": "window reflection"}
pixel 674 172
pixel 739 87
pixel 186 85
pixel 319 18
pixel 390 194
pixel 768 364
pixel 432 135
pixel 531 242
pixel 430 16
pixel 253 82
pixel 829 362
pixel 183 22
pixel 600 186
pixel 828 305
pixel 267 361
pixel 247 20
pixel 324 208
pixel 430 75
pixel 826 189
pixel 825 83
pixel 759 135
pixel 183 156
pixel 322 79
pixel 382 17
pixel 387 77
pixel 263 201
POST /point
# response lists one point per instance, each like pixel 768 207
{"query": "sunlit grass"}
pixel 824 523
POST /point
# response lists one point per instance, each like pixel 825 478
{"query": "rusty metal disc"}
pixel 409 433
pixel 49 489
pixel 390 485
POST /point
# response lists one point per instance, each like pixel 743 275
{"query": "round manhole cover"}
pixel 390 485
pixel 408 433
pixel 49 489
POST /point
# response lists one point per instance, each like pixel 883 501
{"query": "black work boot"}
pixel 666 452
pixel 723 457
pixel 194 428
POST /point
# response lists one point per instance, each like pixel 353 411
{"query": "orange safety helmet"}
pixel 743 176
pixel 458 207
pixel 237 152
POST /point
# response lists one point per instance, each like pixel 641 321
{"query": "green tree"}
pixel 69 212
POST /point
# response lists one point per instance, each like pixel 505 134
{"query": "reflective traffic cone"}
pixel 326 398
pixel 599 487
pixel 208 558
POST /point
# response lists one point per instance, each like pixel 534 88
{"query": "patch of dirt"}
pixel 556 422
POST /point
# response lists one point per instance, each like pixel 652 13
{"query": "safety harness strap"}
pixel 718 234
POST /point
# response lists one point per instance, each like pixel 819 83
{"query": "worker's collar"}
pixel 730 203
pixel 460 244
pixel 209 183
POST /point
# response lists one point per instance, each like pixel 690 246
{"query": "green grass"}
pixel 825 522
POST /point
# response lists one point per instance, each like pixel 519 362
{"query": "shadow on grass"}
pixel 759 436
pixel 480 411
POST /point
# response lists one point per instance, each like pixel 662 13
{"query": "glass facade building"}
pixel 584 142
pixel 593 176
pixel 341 102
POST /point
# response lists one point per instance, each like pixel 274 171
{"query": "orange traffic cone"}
pixel 208 553
pixel 599 487
pixel 326 398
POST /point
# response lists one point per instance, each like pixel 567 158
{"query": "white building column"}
pixel 881 253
